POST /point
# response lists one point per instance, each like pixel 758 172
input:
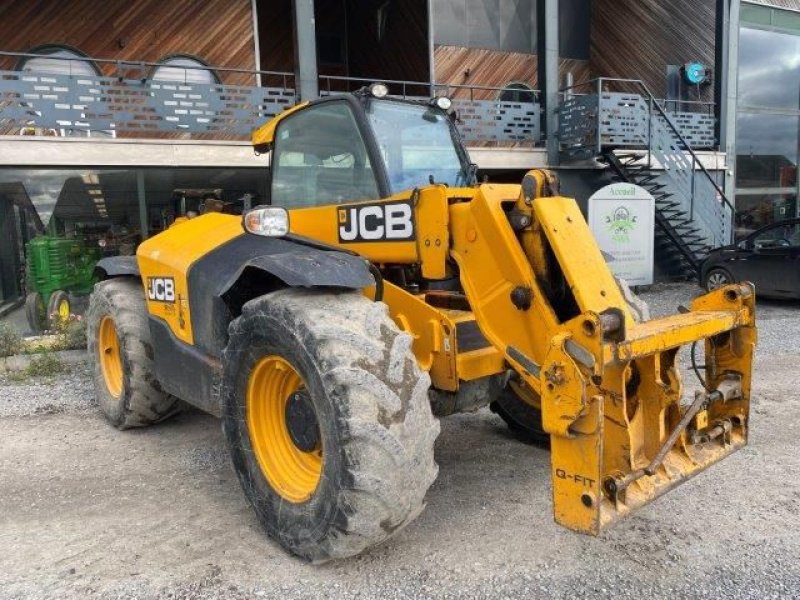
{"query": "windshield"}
pixel 416 142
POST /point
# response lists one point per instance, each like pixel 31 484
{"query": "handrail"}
pixel 705 104
pixel 652 98
pixel 427 84
pixel 141 63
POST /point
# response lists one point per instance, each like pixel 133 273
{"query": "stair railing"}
pixel 652 103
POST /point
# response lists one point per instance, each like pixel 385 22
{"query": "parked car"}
pixel 768 257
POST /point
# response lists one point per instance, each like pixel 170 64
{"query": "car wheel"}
pixel 716 278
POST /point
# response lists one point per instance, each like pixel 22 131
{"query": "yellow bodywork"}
pixel 610 401
pixel 262 137
pixel 169 256
pixel 549 310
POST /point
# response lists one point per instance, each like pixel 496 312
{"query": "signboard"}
pixel 622 218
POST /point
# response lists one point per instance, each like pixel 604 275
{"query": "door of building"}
pixel 10 262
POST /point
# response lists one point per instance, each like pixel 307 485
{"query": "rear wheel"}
pixel 327 419
pixel 118 335
pixel 35 312
pixel 58 308
pixel 717 278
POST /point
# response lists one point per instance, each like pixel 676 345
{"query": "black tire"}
pixel 716 278
pixel 35 312
pixel 524 420
pixel 370 400
pixel 56 299
pixel 141 401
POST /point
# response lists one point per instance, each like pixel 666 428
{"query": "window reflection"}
pixel 103 204
pixel 769 69
pixel 768 120
pixel 753 211
pixel 766 148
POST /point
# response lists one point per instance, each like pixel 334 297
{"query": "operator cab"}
pixel 361 146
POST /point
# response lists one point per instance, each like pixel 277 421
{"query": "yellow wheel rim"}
pixel 63 310
pixel 292 473
pixel 109 356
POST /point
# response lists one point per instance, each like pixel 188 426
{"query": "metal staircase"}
pixel 640 142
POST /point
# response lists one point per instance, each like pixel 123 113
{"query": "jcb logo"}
pixel 161 289
pixel 393 222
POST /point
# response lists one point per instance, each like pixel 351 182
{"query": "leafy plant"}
pixel 10 341
pixel 45 365
pixel 71 333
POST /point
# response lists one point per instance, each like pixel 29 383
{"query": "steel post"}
pixel 142 196
pixel 547 42
pixel 305 50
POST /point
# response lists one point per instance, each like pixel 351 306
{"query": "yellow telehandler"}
pixel 383 287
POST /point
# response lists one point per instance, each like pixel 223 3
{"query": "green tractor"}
pixel 57 267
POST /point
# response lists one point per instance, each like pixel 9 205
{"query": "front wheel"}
pixel 524 420
pixel 716 278
pixel 326 415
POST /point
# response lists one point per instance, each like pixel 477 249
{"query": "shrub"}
pixel 10 341
pixel 71 334
pixel 45 365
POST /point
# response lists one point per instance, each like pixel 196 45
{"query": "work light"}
pixel 443 102
pixel 379 90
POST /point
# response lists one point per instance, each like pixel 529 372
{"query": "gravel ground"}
pixel 72 392
pixel 86 511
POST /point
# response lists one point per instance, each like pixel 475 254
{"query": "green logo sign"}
pixel 620 224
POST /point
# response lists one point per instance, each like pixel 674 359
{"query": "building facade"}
pixel 114 113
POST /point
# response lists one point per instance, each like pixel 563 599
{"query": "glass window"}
pixel 769 69
pixel 319 157
pixel 786 19
pixel 759 15
pixel 766 149
pixel 781 236
pixel 754 211
pixel 53 60
pixel 184 69
pixel 104 203
pixel 517 92
pixel 417 143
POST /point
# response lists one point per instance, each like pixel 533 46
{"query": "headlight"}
pixel 269 221
pixel 379 90
pixel 443 102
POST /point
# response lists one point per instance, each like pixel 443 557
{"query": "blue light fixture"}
pixel 695 73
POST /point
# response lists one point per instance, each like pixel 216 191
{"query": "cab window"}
pixel 319 157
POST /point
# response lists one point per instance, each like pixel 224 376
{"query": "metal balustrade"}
pixel 593 123
pixel 129 101
pixel 125 101
pixel 577 121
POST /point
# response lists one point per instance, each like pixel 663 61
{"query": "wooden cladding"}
pixel 218 32
pixel 493 68
pixel 636 39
